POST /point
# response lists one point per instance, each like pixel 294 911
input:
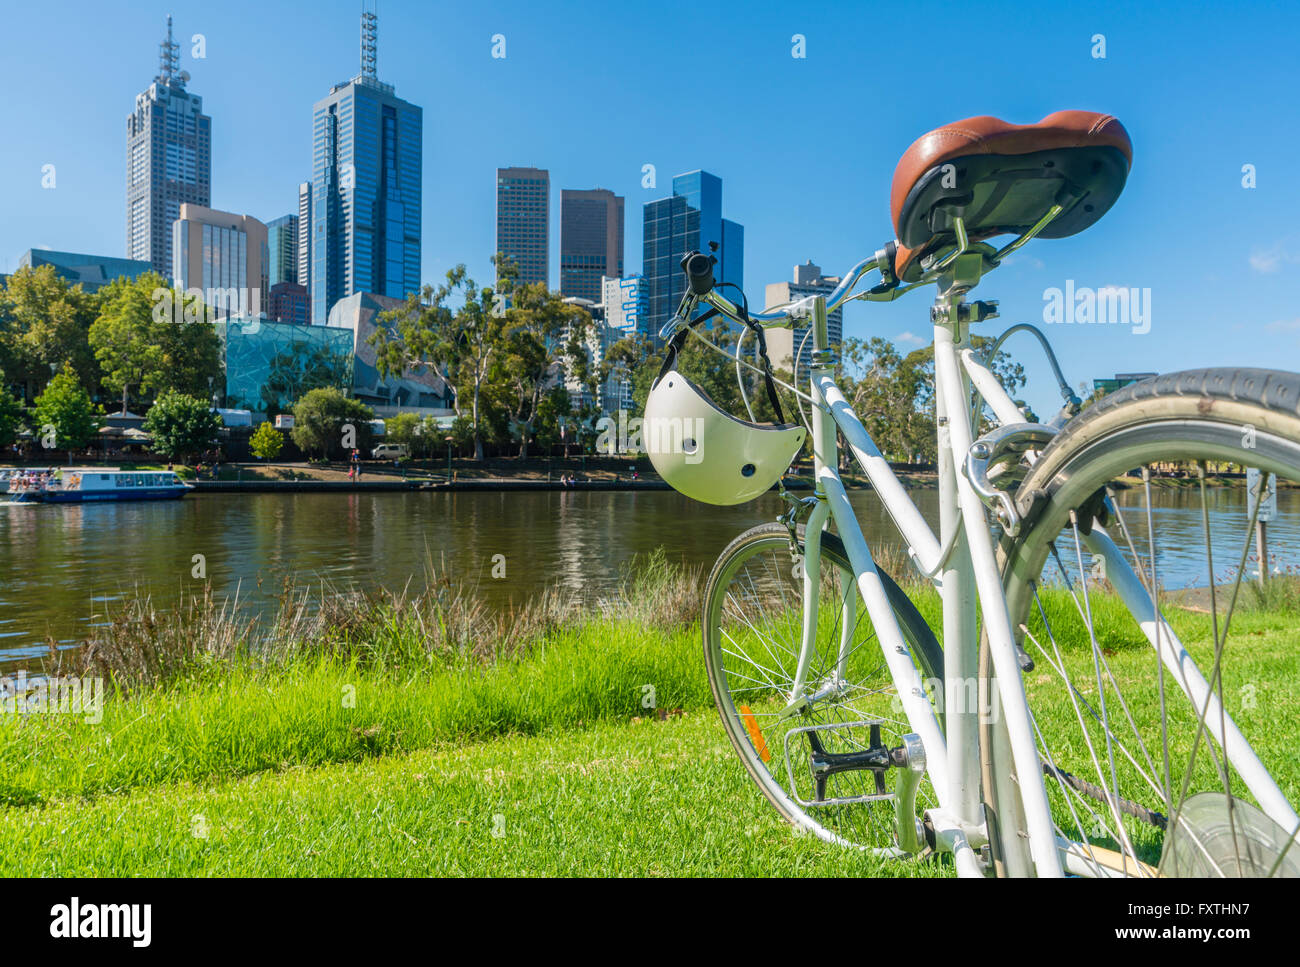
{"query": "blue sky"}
pixel 805 147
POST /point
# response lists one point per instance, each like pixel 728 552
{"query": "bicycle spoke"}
pixel 847 688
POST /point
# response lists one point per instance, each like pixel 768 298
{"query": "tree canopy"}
pixel 182 426
pixel 327 423
pixel 64 418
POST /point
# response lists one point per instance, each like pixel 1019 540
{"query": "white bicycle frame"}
pixel 962 562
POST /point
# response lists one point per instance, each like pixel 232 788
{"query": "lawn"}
pixel 397 745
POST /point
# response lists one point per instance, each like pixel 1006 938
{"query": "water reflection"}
pixel 62 566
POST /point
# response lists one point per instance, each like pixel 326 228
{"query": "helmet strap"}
pixel 761 337
pixel 678 341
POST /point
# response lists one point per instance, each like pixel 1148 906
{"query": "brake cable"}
pixel 759 335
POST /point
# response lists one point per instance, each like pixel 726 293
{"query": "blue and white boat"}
pixel 76 485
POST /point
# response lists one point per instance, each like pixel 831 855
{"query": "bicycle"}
pixel 1050 745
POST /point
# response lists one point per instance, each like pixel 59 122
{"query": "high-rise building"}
pixel 282 239
pixel 687 221
pixel 366 181
pixel 625 304
pixel 304 240
pixel 782 344
pixel 168 159
pixel 287 302
pixel 523 220
pixel 224 255
pixel 591 241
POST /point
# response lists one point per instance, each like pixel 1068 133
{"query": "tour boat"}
pixel 69 485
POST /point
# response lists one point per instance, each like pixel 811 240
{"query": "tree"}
pixel 326 421
pixel 65 410
pixel 11 414
pixel 181 425
pixel 553 408
pixel 44 323
pixel 267 441
pixel 542 333
pixel 711 371
pixel 125 337
pixel 462 343
pixel 401 428
pixel 191 356
pixel 893 394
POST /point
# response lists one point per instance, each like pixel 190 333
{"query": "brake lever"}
pixel 672 327
pixel 681 319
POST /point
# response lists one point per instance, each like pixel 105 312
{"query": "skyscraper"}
pixel 304 240
pixel 687 220
pixel 523 220
pixel 365 198
pixel 168 159
pixel 223 254
pixel 282 240
pixel 591 241
pixel 625 311
pixel 783 344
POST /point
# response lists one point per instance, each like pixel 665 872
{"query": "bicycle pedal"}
pixel 875 757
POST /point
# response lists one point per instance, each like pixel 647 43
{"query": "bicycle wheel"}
pixel 753 615
pixel 1148 772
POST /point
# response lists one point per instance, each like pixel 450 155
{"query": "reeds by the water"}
pixel 143 643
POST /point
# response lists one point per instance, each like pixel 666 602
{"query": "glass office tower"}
pixel 304 241
pixel 687 220
pixel 365 205
pixel 282 241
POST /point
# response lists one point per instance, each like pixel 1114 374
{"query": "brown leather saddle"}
pixel 1002 178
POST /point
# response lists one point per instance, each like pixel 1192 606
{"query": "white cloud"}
pixel 910 337
pixel 1271 259
pixel 1283 325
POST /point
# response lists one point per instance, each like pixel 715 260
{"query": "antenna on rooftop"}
pixel 169 57
pixel 369 43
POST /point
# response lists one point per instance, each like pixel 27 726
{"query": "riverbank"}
pixel 420 735
pixel 504 474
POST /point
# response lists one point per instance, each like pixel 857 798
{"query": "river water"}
pixel 62 566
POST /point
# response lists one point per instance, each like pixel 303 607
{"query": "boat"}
pixel 79 485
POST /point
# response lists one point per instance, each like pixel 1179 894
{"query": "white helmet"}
pixel 708 454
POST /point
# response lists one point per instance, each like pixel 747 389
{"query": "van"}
pixel 391 451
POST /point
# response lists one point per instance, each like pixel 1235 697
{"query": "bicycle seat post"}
pixel 825 440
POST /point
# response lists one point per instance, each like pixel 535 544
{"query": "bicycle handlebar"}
pixel 701 287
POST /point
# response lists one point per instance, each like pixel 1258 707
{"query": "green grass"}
pixel 239 719
pixel 395 758
pixel 651 799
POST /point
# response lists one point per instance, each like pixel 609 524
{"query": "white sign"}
pixel 1268 509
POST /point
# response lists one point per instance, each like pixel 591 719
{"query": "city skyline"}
pixel 826 200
